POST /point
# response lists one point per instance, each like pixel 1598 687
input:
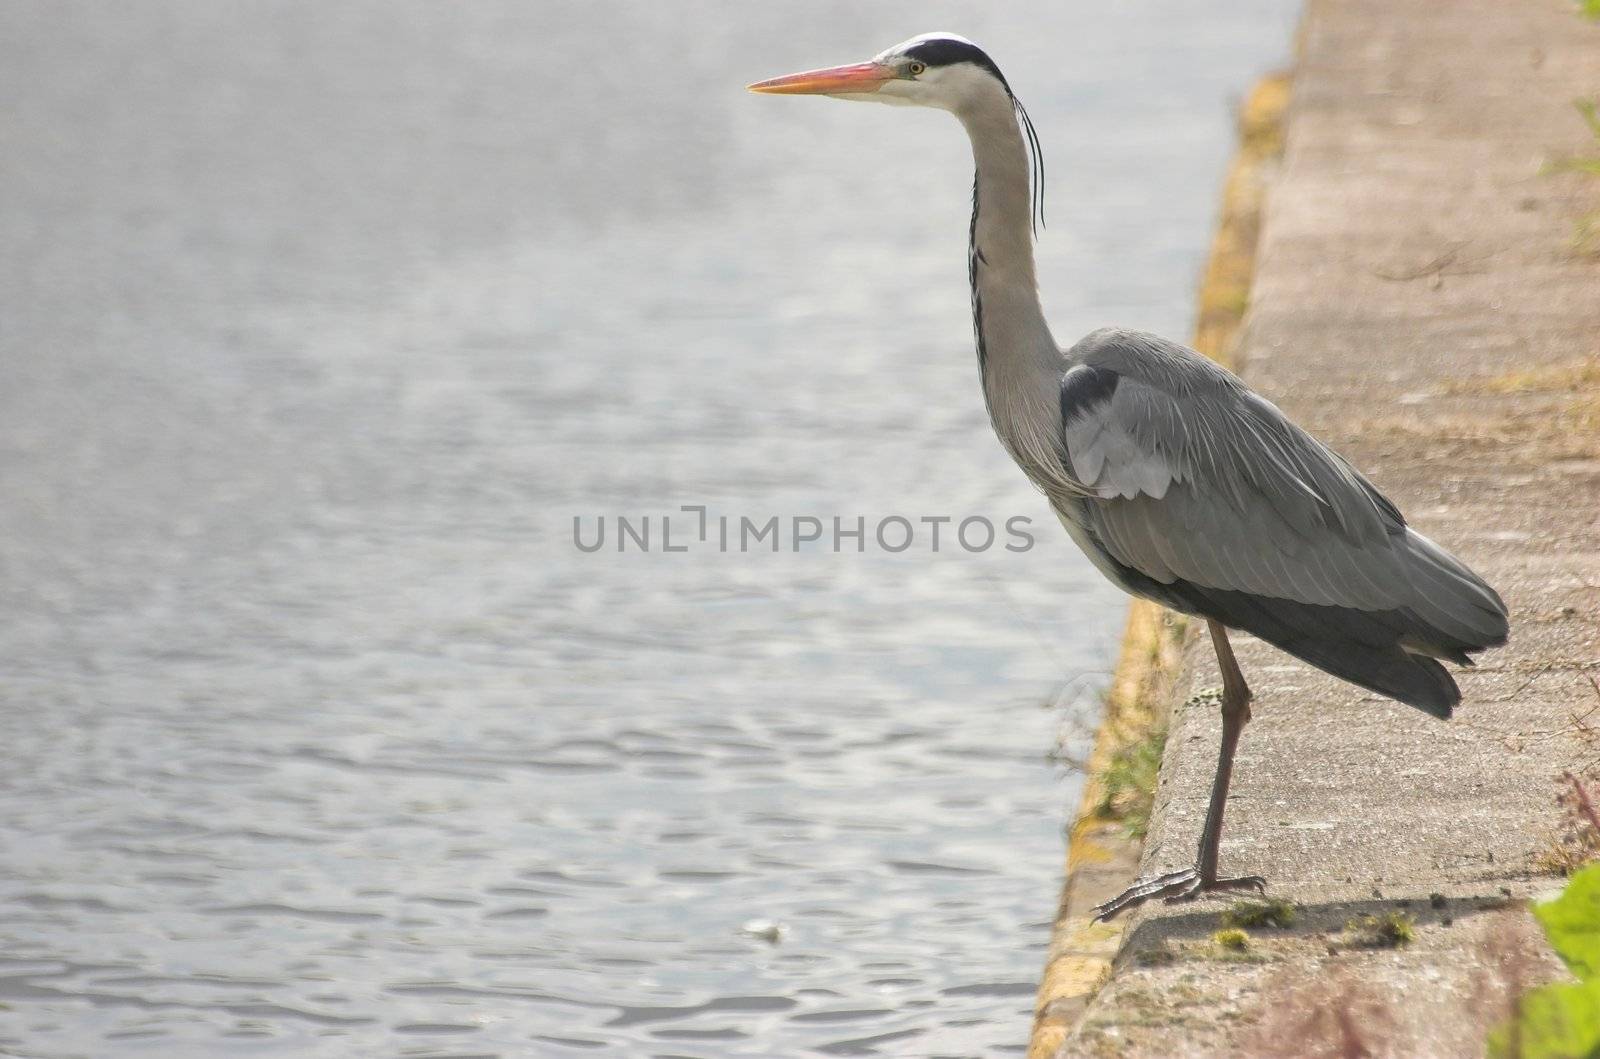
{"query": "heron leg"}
pixel 1190 883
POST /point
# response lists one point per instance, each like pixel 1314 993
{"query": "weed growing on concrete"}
pixel 1128 786
pixel 1562 1018
pixel 1253 915
pixel 1589 111
pixel 1577 843
pixel 1586 231
pixel 1390 930
pixel 1232 939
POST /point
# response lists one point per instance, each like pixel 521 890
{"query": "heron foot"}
pixel 1174 887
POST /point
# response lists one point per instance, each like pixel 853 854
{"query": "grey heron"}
pixel 1181 484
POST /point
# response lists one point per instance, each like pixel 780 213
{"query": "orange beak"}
pixel 858 79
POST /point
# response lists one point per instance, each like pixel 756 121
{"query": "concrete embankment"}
pixel 1424 302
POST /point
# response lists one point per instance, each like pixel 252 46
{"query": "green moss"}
pixel 1128 785
pixel 1253 915
pixel 1232 939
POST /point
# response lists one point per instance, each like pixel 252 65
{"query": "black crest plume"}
pixel 946 51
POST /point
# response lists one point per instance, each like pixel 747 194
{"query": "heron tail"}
pixel 1390 652
pixel 1413 679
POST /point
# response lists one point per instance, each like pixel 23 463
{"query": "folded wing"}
pixel 1209 499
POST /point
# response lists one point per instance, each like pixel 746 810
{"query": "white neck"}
pixel 1018 358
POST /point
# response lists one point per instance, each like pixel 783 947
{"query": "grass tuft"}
pixel 1254 915
pixel 1232 939
pixel 1391 930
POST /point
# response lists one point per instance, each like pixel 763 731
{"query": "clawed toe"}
pixel 1173 887
pixel 1199 887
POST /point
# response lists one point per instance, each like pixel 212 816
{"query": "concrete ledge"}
pixel 1418 304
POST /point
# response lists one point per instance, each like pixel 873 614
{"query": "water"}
pixel 322 322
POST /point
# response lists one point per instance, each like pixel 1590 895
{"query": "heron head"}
pixel 938 70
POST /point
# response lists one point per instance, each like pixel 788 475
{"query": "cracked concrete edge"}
pixel 1102 857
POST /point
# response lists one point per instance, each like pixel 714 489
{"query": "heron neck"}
pixel 1007 317
pixel 1018 358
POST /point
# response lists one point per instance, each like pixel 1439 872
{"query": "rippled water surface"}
pixel 321 322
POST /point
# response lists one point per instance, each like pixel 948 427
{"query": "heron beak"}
pixel 858 79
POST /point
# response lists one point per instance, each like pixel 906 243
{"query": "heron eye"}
pixel 917 68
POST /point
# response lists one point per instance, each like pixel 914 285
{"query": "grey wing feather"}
pixel 1193 482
